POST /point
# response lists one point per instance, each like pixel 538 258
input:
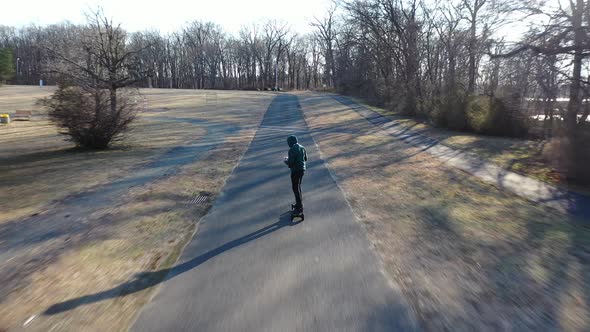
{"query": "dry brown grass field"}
pixel 49 255
pixel 468 256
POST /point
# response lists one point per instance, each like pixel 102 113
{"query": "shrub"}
pixel 87 117
pixel 6 65
pixel 455 112
pixel 570 154
pixel 449 112
pixel 478 110
pixel 494 116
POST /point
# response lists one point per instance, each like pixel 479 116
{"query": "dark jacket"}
pixel 297 155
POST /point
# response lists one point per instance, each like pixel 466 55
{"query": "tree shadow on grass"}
pixel 67 236
pixel 524 279
pixel 480 276
pixel 145 280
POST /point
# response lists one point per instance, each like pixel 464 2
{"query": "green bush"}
pixel 449 112
pixel 494 116
pixel 6 65
pixel 478 112
pixel 456 113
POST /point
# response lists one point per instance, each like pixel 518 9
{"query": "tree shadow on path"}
pixel 144 280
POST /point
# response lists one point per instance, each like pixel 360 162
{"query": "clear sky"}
pixel 165 15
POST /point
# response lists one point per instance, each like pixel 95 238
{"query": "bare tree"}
pixel 567 34
pixel 92 66
pixel 326 32
pixel 473 8
pixel 274 35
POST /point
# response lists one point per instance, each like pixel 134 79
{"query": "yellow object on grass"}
pixel 4 118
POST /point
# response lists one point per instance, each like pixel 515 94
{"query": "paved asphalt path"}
pixel 250 269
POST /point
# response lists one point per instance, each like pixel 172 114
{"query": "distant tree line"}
pixel 201 55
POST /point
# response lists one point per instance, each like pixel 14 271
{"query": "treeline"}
pixel 437 59
pixel 199 56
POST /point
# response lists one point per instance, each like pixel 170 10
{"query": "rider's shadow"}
pixel 144 280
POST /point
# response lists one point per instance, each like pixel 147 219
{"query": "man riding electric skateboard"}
pixel 296 161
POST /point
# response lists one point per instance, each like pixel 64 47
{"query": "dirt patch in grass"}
pixel 517 155
pixel 468 256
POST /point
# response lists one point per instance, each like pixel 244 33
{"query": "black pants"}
pixel 296 184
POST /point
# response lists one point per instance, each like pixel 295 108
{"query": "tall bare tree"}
pixel 326 33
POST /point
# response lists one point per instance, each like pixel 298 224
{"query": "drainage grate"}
pixel 199 199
